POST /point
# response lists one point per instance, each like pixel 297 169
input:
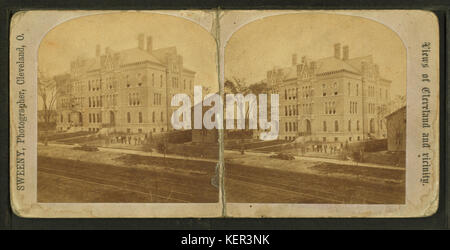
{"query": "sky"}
pixel 78 37
pixel 260 45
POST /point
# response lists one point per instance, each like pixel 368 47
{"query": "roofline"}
pixel 395 112
pixel 337 71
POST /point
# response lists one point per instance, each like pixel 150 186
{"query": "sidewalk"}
pixel 328 160
pixel 138 152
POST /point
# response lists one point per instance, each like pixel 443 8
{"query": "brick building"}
pixel 123 91
pixel 336 99
pixel 396 130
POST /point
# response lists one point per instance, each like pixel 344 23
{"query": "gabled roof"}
pixel 356 62
pixel 131 56
pixel 332 64
pixel 136 55
pixel 161 54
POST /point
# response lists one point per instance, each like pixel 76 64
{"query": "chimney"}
pixel 97 50
pixel 149 44
pixel 345 52
pixel 294 59
pixel 299 69
pixel 337 50
pixel 141 41
pixel 313 66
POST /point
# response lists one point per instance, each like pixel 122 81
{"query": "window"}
pixel 128 117
pixel 285 94
pixel 153 79
pixel 349 125
pixel 357 125
pixel 153 116
pixel 162 116
pixel 324 126
pixel 140 117
pixel 336 126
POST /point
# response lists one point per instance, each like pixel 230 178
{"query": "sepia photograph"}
pixel 341 86
pixel 105 84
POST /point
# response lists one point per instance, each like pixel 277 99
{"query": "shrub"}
pixel 161 147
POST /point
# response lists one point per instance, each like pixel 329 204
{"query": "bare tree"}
pixel 48 93
pixel 240 86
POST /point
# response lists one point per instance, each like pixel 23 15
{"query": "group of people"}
pixel 128 139
pixel 328 148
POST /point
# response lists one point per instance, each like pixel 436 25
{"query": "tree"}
pixel 240 86
pixel 47 92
